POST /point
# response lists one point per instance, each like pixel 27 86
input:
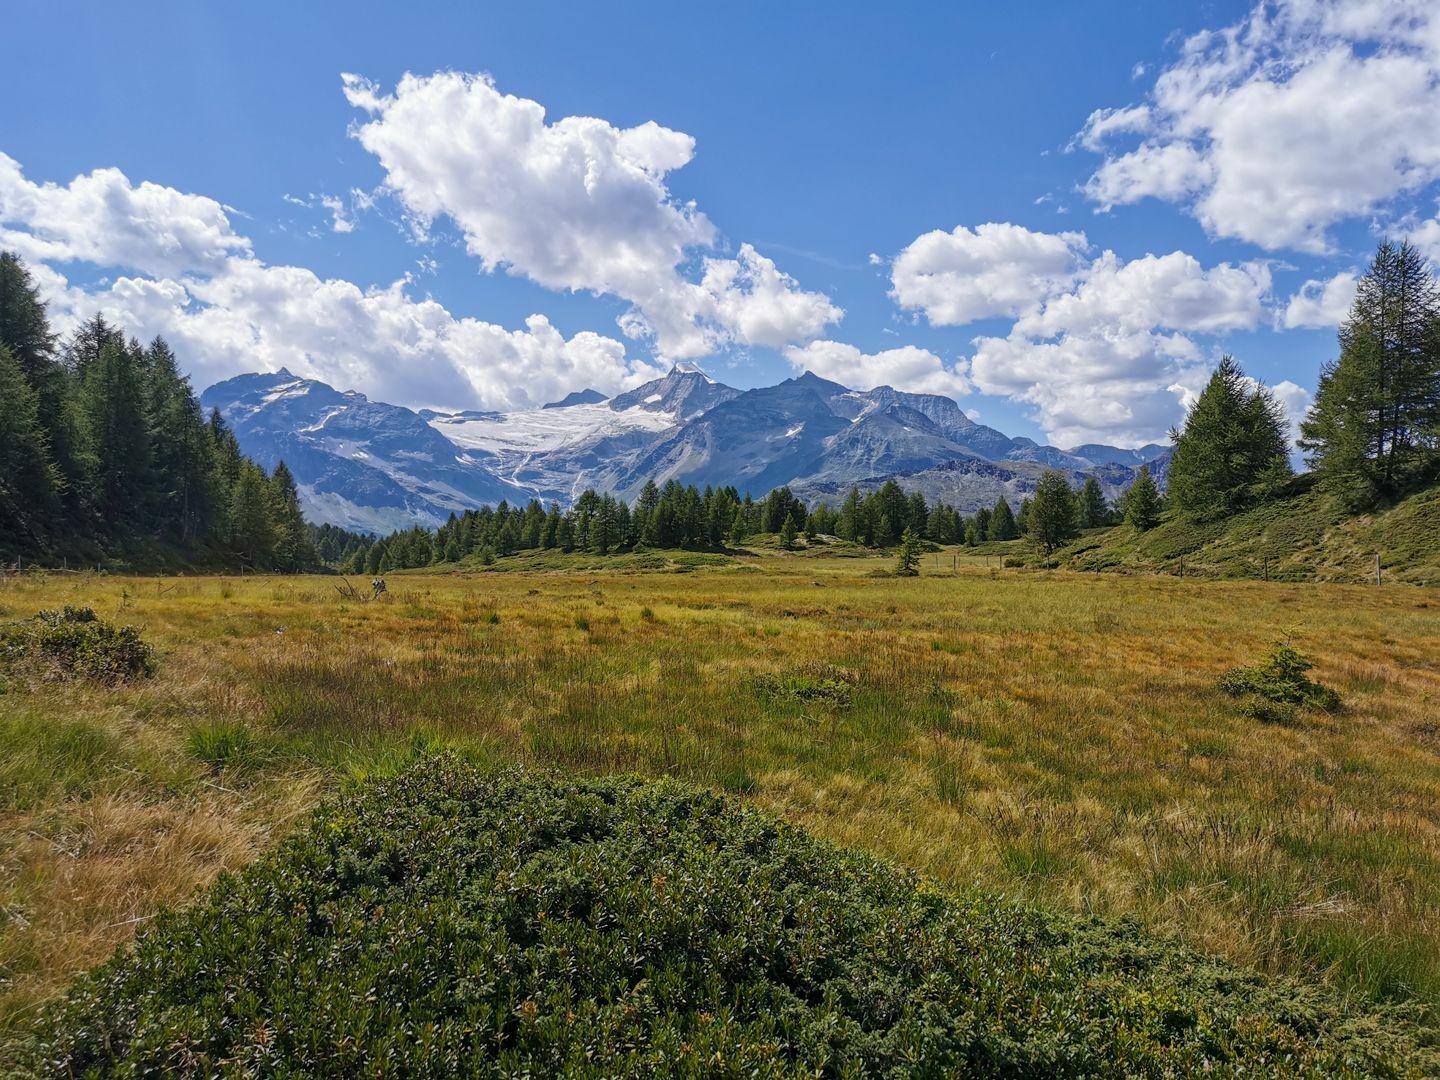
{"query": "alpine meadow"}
pixel 604 541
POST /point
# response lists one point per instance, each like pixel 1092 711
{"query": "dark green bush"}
pixel 1281 679
pixel 450 922
pixel 72 643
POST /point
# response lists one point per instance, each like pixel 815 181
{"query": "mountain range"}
pixel 375 467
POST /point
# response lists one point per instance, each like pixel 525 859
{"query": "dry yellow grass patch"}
pixel 1055 734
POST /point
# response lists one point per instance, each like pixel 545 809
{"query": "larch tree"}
pixel 1053 517
pixel 1374 429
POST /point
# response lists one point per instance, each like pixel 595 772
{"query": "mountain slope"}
pixel 1305 537
pixel 358 463
pixel 379 467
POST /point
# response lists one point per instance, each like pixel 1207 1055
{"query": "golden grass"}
pixel 1053 734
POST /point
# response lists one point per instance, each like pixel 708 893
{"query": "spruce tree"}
pixel 1233 444
pixel 251 534
pixel 1094 511
pixel 25 329
pixel 1053 512
pixel 29 502
pixel 1374 429
pixel 788 532
pixel 907 563
pixel 1002 522
pixel 1142 501
pixel 181 448
pixel 289 536
pixel 112 400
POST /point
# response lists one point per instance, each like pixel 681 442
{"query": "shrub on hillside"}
pixel 451 922
pixel 1281 680
pixel 73 643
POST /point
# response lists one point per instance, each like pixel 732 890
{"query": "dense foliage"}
pixel 1282 679
pixel 450 922
pixel 1232 449
pixel 1374 430
pixel 73 643
pixel 680 516
pixel 105 453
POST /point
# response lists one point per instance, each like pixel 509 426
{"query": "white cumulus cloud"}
pixel 1304 114
pixel 995 269
pixel 908 368
pixel 577 204
pixel 1320 304
pixel 183 273
pixel 102 218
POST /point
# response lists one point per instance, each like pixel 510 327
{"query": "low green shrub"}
pixel 448 921
pixel 73 643
pixel 1281 679
pixel 816 684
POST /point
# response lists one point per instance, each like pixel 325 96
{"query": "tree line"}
pixel 679 516
pixel 106 454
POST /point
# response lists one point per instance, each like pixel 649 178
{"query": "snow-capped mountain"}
pixel 358 463
pixel 368 465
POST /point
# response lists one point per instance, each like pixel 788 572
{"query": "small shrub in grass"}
pixel 73 643
pixel 820 684
pixel 1264 711
pixel 1281 679
pixel 449 921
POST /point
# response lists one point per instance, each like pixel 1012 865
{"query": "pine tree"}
pixel 1142 501
pixel 1233 443
pixel 1053 512
pixel 1374 429
pixel 907 563
pixel 1094 511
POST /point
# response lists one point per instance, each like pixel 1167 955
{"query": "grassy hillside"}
pixel 453 922
pixel 1306 537
pixel 1056 736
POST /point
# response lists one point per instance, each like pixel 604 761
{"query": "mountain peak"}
pixel 686 367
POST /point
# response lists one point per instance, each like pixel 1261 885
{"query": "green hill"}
pixel 1305 537
pixel 450 921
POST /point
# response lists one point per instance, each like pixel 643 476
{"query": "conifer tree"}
pixel 289 538
pixel 788 533
pixel 112 398
pixel 29 502
pixel 1233 443
pixel 251 535
pixel 907 563
pixel 1142 501
pixel 1094 511
pixel 1374 429
pixel 1002 524
pixel 1053 512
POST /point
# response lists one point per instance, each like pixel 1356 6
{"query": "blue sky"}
pixel 1117 233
